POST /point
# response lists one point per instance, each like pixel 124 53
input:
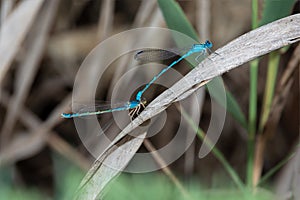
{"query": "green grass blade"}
pixel 276 9
pixel 176 19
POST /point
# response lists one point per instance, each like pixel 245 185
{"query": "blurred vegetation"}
pixel 41 155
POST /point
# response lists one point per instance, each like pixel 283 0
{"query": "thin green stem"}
pixel 252 119
pixel 252 103
pixel 254 14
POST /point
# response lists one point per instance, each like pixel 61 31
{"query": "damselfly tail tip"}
pixel 66 115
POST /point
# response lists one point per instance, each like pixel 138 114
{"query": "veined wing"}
pixel 153 55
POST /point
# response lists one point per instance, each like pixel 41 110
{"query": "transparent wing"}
pixel 152 55
pixel 98 106
pixel 81 107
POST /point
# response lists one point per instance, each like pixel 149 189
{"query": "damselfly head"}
pixel 208 44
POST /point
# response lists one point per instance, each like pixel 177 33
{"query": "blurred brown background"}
pixel 38 83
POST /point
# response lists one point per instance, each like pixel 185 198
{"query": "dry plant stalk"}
pixel 14 30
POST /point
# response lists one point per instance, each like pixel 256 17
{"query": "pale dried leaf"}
pixel 14 30
pixel 28 69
